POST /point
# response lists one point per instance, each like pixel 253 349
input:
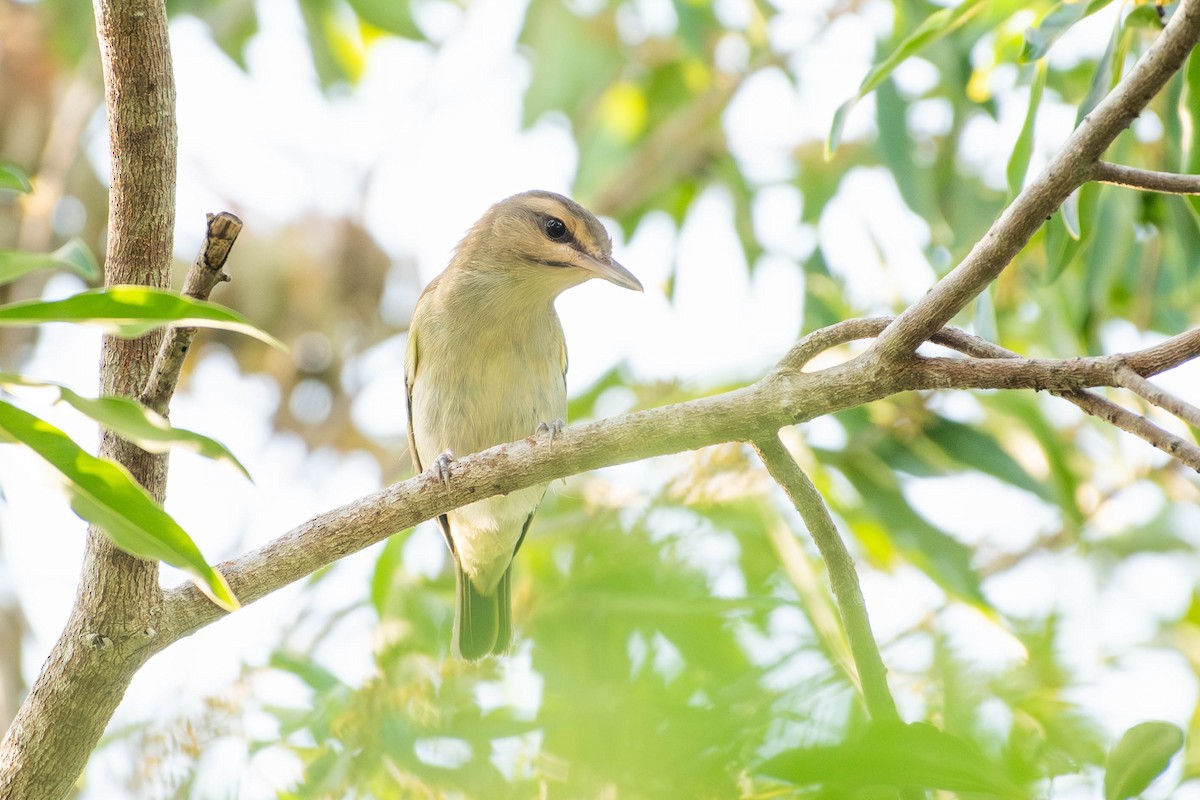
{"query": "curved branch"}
pixel 1146 180
pixel 1071 166
pixel 843 578
pixel 752 414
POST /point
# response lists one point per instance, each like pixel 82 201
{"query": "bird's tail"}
pixel 482 622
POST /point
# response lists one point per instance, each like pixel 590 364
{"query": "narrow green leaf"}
pixel 1077 215
pixel 934 27
pixel 895 755
pixel 1061 18
pixel 103 492
pixel 1189 117
pixel 1102 77
pixel 1026 412
pixel 131 311
pixel 133 421
pixel 74 255
pixel 14 178
pixel 1141 756
pixel 834 139
pixel 388 15
pixel 1070 215
pixel 1018 162
pixel 973 447
pixel 317 677
pixel 985 315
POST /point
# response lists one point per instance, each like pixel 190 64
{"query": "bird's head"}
pixel 543 239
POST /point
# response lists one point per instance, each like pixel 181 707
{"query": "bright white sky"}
pixel 439 135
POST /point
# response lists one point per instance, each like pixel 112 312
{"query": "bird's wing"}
pixel 410 375
pixel 412 357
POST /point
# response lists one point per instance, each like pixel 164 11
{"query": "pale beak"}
pixel 611 271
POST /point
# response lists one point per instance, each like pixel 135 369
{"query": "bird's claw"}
pixel 441 467
pixel 551 428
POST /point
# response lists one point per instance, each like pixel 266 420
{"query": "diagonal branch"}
pixel 843 578
pixel 752 414
pixel 1071 166
pixel 1145 179
pixel 1127 378
pixel 1138 425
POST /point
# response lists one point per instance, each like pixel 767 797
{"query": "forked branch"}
pixel 1074 164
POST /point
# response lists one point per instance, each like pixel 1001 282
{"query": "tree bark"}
pixel 118 599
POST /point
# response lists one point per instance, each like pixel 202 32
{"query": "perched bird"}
pixel 486 364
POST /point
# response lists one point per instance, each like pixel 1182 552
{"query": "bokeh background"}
pixel 1030 573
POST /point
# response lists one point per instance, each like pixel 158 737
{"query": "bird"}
pixel 485 364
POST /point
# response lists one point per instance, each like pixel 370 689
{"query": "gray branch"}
pixel 1146 180
pixel 843 578
pixel 1074 164
pixel 205 273
pixel 755 413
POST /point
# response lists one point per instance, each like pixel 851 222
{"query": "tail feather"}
pixel 482 623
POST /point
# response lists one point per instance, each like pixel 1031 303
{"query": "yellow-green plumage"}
pixel 486 364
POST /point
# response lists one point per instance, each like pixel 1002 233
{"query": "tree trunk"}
pixel 118 599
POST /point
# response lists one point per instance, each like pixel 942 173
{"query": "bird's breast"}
pixel 485 384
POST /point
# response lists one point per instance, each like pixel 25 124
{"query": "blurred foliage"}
pixel 677 638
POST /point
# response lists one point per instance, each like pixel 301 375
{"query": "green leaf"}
pixel 1039 39
pixel 970 446
pixel 388 15
pixel 103 492
pixel 1111 65
pixel 1055 446
pixel 317 677
pixel 14 178
pixel 1063 241
pixel 834 140
pixel 1018 162
pixel 934 27
pixel 1141 756
pixel 1189 117
pixel 131 311
pixel 894 755
pixel 74 255
pixel 133 421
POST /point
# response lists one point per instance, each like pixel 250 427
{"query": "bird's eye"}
pixel 555 228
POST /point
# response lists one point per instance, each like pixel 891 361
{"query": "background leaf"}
pixel 14 178
pixel 73 255
pixel 1143 753
pixel 133 421
pixel 132 311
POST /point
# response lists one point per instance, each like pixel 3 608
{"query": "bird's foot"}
pixel 441 467
pixel 551 428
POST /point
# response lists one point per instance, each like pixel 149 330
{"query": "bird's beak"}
pixel 611 271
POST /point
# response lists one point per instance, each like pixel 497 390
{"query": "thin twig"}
pixel 1071 166
pixel 205 273
pixel 1146 180
pixel 1127 378
pixel 1012 369
pixel 843 577
pixel 1139 426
